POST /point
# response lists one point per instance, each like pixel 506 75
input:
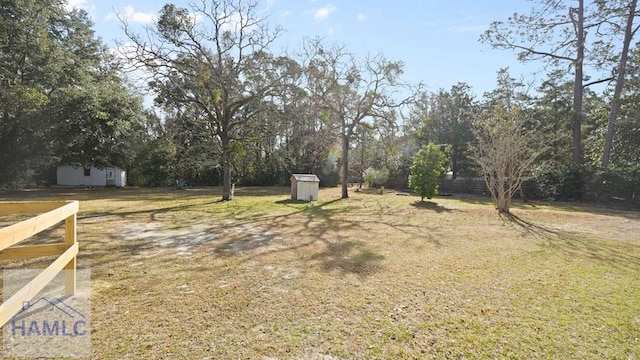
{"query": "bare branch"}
pixel 598 81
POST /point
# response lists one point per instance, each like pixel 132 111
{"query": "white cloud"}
pixel 131 15
pixel 122 50
pixel 81 4
pixel 234 22
pixel 197 17
pixel 323 12
pixel 362 17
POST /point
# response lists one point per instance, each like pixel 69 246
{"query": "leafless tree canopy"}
pixel 350 91
pixel 504 152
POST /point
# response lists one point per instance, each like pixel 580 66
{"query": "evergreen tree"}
pixel 428 166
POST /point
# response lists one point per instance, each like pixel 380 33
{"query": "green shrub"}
pixel 559 182
pixel 375 177
pixel 428 166
pixel 587 183
pixel 328 176
pixel 614 184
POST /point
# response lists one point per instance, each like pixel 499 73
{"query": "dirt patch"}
pixel 244 237
pixel 228 239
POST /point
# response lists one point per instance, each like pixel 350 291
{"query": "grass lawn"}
pixel 181 275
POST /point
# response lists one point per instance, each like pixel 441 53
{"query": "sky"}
pixel 438 41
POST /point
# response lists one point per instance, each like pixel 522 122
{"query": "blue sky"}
pixel 437 40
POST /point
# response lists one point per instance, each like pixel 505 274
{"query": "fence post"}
pixel 70 269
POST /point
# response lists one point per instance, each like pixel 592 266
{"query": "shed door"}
pixel 111 177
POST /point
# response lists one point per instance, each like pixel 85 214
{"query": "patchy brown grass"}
pixel 179 274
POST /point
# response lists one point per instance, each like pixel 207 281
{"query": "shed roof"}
pixel 305 178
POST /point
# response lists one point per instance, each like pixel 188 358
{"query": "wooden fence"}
pixel 477 186
pixel 52 214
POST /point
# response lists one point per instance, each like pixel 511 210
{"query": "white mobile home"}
pixel 304 187
pixel 91 176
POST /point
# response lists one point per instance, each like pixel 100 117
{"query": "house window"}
pixel 87 171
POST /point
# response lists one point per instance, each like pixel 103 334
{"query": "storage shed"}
pixel 91 176
pixel 304 187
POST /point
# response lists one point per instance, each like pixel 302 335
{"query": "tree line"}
pixel 227 109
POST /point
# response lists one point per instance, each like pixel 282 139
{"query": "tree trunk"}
pixel 226 180
pixel 345 162
pixel 613 114
pixel 577 86
pixel 454 164
pixel 361 162
pixel 503 204
pixel 226 169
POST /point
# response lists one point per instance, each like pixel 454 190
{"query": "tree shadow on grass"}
pixel 152 212
pixel 244 242
pixel 83 193
pixel 538 231
pixel 230 235
pixel 290 201
pixel 430 205
pixel 349 257
pixel 474 199
pixel 616 254
pixel 297 225
pixel 262 190
pixel 312 204
pixel 323 221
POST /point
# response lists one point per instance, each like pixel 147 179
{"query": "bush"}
pixel 399 176
pixel 428 166
pixel 329 176
pixel 559 182
pixel 374 177
pixel 614 184
pixel 152 165
pixel 588 183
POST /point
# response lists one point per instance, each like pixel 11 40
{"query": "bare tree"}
pixel 504 151
pixel 629 32
pixel 556 33
pixel 350 91
pixel 214 56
